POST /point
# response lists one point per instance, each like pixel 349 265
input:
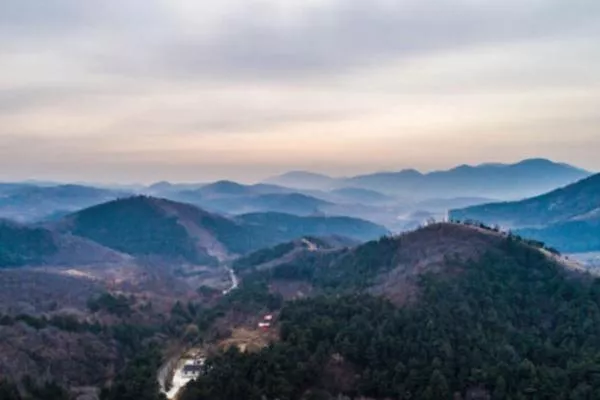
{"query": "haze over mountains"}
pixel 120 278
pixel 567 218
pixel 506 181
pixel 399 201
pixel 151 227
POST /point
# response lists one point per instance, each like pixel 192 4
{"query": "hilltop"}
pixel 390 266
pixel 145 226
pixel 474 314
pixel 150 227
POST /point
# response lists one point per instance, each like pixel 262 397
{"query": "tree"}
pixel 438 387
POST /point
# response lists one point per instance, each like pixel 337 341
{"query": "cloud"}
pixel 147 79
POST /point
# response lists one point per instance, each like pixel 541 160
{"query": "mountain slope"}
pixel 578 201
pixel 289 252
pixel 568 237
pixel 247 202
pixel 359 195
pixel 390 266
pixel 287 227
pixel 567 219
pixel 21 245
pixel 304 180
pixel 498 320
pixel 146 226
pixel 25 245
pixel 32 203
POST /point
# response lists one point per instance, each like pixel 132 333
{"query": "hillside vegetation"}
pixel 578 201
pixel 390 266
pixel 508 324
pixel 150 227
pixel 21 245
pixel 286 227
pixel 567 218
pixel 139 226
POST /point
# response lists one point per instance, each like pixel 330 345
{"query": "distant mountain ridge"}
pixel 567 218
pixel 28 203
pixel 505 181
pixel 578 201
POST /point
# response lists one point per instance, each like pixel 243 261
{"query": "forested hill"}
pixel 579 201
pixel 147 226
pixel 510 323
pixel 288 227
pixel 390 266
pixel 567 219
pixel 22 245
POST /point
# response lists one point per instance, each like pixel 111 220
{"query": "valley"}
pixel 171 299
pixel 299 200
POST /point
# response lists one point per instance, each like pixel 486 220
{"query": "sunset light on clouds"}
pixel 194 90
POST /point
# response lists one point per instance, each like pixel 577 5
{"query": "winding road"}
pixel 176 364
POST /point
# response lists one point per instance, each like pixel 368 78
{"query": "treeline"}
pixel 67 323
pixel 522 236
pixel 32 391
pixel 117 305
pixel 510 326
pixel 138 380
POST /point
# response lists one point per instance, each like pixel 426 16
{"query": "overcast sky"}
pixel 194 90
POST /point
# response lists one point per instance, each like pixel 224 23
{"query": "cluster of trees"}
pixel 67 323
pixel 138 380
pixel 511 326
pixel 524 235
pixel 189 322
pixel 21 245
pixel 32 391
pixel 117 305
pixel 342 270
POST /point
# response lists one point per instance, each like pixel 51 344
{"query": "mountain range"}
pixel 143 226
pixel 28 203
pixel 443 311
pixel 567 218
pixel 503 181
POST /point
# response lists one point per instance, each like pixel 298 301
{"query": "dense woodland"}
pixel 512 326
pixel 20 245
pixel 137 226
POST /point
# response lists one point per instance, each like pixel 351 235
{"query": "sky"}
pixel 197 90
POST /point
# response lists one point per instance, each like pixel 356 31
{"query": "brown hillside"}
pixel 391 267
pixel 437 248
